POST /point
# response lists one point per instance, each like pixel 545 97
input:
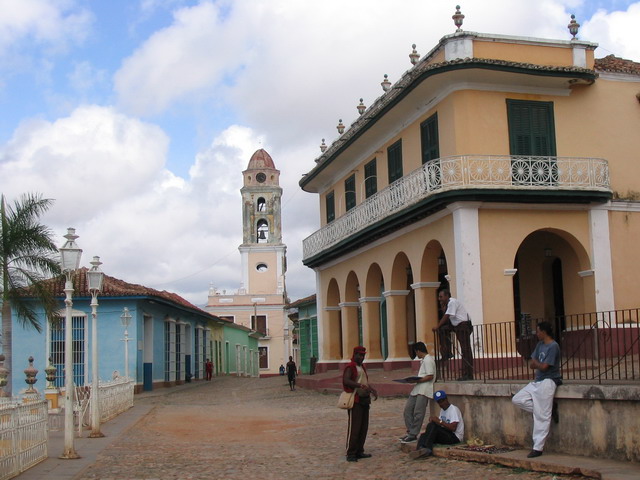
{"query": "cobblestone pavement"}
pixel 244 428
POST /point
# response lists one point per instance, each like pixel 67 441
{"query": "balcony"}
pixel 471 177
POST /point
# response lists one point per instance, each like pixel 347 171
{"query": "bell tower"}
pixel 262 252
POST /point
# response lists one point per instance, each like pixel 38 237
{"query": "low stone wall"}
pixel 595 420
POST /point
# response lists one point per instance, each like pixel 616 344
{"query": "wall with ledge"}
pixel 595 420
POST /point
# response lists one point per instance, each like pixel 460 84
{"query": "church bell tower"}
pixel 262 252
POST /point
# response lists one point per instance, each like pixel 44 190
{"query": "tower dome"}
pixel 260 159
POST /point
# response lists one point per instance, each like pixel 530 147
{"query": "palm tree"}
pixel 27 257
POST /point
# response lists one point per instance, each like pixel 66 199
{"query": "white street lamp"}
pixel 95 279
pixel 125 318
pixel 70 255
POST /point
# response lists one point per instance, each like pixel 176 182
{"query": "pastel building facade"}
pixel 504 168
pixel 169 339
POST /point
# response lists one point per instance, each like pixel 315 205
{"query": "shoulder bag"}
pixel 346 399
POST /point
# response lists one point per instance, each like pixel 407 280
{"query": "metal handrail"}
pixel 505 172
pixel 595 347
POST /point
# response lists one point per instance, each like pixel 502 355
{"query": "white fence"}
pixel 116 396
pixel 23 435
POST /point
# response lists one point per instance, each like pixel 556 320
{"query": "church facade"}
pixel 260 301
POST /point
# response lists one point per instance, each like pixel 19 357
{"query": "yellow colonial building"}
pixel 504 168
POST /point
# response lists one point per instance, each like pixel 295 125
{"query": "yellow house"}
pixel 504 168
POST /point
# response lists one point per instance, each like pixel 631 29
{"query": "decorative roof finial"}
pixel 323 146
pixel 458 18
pixel 340 127
pixel 386 84
pixel 361 107
pixel 414 55
pixel 573 27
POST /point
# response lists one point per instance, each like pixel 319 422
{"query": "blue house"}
pixel 169 339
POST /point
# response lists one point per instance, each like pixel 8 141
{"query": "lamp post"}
pixel 70 255
pixel 125 318
pixel 95 280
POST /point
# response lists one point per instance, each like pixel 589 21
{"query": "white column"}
pixel 601 258
pixel 468 276
pixel 320 315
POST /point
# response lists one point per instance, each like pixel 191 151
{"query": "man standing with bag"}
pixel 537 397
pixel 455 319
pixel 416 405
pixel 355 379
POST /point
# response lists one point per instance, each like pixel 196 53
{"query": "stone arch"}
pixel 374 331
pixel 401 311
pixel 552 278
pixel 432 277
pixel 332 323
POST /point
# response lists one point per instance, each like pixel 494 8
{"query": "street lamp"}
pixel 95 279
pixel 70 255
pixel 125 318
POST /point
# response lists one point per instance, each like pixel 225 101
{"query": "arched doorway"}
pixel 546 284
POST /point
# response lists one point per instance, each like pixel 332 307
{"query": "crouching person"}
pixel 447 428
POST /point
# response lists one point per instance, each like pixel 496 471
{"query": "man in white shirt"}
pixel 416 405
pixel 455 319
pixel 447 428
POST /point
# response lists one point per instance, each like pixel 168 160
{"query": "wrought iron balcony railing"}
pixel 472 172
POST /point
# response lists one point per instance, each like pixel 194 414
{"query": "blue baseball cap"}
pixel 439 395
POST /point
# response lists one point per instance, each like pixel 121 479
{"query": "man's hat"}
pixel 439 395
pixel 359 350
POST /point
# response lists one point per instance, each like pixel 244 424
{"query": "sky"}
pixel 138 117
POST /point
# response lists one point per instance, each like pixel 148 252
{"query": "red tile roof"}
pixel 614 64
pixel 114 287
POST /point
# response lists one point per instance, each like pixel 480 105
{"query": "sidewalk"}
pixel 89 448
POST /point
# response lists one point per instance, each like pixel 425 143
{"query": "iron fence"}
pixel 595 347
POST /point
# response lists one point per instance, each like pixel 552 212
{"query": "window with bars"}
pixel 330 203
pixel 198 354
pixel 259 323
pixel 169 349
pixel 370 178
pixel 79 351
pixel 429 139
pixel 394 161
pixel 178 351
pixel 264 357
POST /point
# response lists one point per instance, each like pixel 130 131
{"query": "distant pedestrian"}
pixel 281 369
pixel 355 378
pixel 416 405
pixel 292 372
pixel 447 428
pixel 208 367
pixel 455 319
pixel 537 396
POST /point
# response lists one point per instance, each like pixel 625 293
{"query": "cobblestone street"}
pixel 240 428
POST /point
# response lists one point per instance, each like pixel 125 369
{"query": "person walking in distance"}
pixel 537 396
pixel 416 405
pixel 208 367
pixel 292 371
pixel 355 378
pixel 455 319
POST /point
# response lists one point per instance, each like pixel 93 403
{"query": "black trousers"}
pixel 463 333
pixel 357 429
pixel 436 434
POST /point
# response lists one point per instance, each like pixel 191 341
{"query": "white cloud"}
pixel 52 23
pixel 615 32
pixel 192 55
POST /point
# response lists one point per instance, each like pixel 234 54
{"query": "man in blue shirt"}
pixel 537 397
